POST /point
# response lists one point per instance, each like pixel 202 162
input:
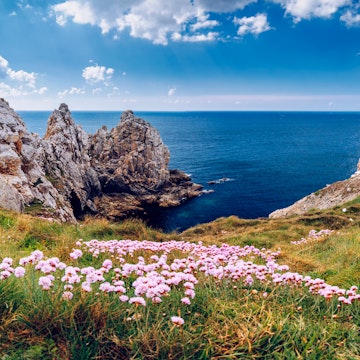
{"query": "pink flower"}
pixel 5 274
pixel 190 293
pixel 67 295
pixel 107 264
pixel 156 300
pixel 106 287
pixel 137 300
pixel 19 272
pixel 46 282
pixel 86 286
pixel 186 301
pixel 177 320
pixel 75 254
pixel 123 298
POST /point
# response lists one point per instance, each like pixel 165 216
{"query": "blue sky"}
pixel 181 54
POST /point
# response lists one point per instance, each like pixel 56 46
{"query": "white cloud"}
pixel 3 64
pixel 97 91
pixel 252 25
pixel 350 18
pixel 22 76
pixel 72 91
pixel 81 12
pixel 95 74
pixel 153 20
pixel 160 21
pixel 204 22
pixel 211 36
pixel 172 92
pixel 42 90
pixel 223 5
pixel 7 91
pixel 306 9
pixel 18 82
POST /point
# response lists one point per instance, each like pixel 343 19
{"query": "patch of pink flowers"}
pixel 313 236
pixel 149 278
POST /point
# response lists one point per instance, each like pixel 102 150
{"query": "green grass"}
pixel 225 320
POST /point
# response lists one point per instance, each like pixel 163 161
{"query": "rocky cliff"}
pixel 332 195
pixel 69 173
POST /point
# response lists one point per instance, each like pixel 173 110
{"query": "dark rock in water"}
pixel 130 157
pixel 116 173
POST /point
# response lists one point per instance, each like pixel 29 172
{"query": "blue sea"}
pixel 269 159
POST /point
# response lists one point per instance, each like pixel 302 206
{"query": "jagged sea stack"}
pixel 114 173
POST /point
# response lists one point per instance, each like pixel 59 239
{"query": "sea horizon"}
pixel 271 159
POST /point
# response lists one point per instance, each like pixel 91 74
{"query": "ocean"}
pixel 255 162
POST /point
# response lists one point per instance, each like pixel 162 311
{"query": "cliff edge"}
pixel 68 173
pixel 332 195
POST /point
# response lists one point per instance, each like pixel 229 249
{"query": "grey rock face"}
pixel 116 173
pixel 65 158
pixel 21 176
pixel 131 157
pixel 132 164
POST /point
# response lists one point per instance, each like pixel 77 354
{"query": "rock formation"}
pixel 132 166
pixel 69 173
pixel 66 160
pixel 332 195
pixel 22 178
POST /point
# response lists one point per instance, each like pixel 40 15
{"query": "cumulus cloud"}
pixel 22 76
pixel 351 18
pixel 72 91
pixel 172 92
pixel 3 64
pixel 81 12
pixel 306 9
pixel 96 74
pixel 211 36
pixel 223 5
pixel 6 90
pixel 42 90
pixel 252 25
pixel 203 22
pixel 161 21
pixel 97 91
pixel 18 82
pixel 157 21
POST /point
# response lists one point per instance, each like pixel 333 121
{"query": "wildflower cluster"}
pixel 148 279
pixel 313 236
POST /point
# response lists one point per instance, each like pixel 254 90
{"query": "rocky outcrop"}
pixel 332 195
pixel 131 157
pixel 22 178
pixel 66 160
pixel 132 164
pixel 116 173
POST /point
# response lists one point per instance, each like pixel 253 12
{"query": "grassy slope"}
pixel 223 322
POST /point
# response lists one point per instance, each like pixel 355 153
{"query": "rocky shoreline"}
pixel 114 173
pixel 330 196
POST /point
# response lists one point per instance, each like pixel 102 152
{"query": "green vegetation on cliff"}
pixel 237 300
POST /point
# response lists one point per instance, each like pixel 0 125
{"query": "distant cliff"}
pixel 68 173
pixel 332 195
